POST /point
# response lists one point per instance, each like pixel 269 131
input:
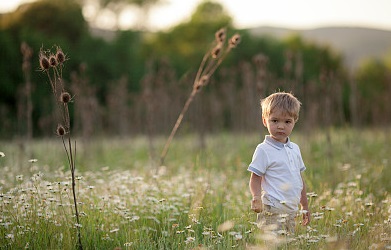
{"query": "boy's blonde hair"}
pixel 286 102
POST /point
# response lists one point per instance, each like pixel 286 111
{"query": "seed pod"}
pixel 60 56
pixel 52 61
pixel 216 51
pixel 220 35
pixel 234 41
pixel 65 97
pixel 204 80
pixel 60 131
pixel 43 61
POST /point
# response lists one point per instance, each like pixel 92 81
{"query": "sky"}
pixel 295 14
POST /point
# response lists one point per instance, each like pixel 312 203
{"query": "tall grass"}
pixel 200 200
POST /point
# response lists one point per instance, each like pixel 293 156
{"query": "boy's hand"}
pixel 306 218
pixel 256 204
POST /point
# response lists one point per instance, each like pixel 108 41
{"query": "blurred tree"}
pixel 316 58
pixel 118 6
pixel 187 42
pixel 373 80
pixel 52 18
pixel 49 23
pixel 316 74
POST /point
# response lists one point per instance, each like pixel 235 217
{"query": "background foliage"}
pixel 134 78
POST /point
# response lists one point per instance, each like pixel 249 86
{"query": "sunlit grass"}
pixel 200 199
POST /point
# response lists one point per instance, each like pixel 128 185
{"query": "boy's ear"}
pixel 264 121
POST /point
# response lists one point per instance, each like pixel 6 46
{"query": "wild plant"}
pixel 210 62
pixel 27 53
pixel 52 64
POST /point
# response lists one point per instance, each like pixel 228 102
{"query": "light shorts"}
pixel 274 220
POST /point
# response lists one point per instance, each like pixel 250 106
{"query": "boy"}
pixel 276 183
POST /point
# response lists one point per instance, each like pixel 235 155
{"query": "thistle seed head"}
pixel 198 87
pixel 53 61
pixel 220 35
pixel 216 51
pixel 65 97
pixel 234 41
pixel 60 131
pixel 204 80
pixel 201 82
pixel 43 61
pixel 60 56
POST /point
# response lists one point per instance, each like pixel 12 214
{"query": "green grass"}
pixel 199 199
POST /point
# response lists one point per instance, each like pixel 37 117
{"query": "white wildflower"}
pixel 238 236
pixel 9 236
pixel 349 213
pixel 369 204
pixel 303 212
pixel 228 225
pixel 189 240
pixel 281 232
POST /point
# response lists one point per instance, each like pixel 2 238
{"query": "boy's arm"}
pixel 304 205
pixel 256 192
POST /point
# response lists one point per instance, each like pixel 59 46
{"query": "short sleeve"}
pixel 300 159
pixel 259 162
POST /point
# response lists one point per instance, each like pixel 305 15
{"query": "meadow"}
pixel 198 200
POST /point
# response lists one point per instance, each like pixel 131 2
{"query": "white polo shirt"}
pixel 280 165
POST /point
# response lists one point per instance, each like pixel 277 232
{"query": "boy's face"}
pixel 279 124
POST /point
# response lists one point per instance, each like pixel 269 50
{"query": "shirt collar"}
pixel 276 144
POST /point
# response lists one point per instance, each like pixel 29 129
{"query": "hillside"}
pixel 354 43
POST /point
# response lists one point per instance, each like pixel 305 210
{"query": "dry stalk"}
pixel 210 62
pixel 53 64
pixel 27 53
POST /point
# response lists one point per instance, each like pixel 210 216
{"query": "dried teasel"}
pixel 53 61
pixel 60 131
pixel 197 86
pixel 216 51
pixel 201 82
pixel 43 61
pixel 204 80
pixel 65 97
pixel 60 56
pixel 234 41
pixel 221 35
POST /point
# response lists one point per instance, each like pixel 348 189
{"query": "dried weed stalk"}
pixel 52 64
pixel 27 53
pixel 210 62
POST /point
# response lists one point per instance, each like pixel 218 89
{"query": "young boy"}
pixel 276 183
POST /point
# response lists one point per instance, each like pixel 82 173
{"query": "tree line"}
pixel 138 81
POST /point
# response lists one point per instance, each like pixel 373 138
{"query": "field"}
pixel 198 200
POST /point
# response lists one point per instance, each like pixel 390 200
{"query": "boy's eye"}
pixel 274 121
